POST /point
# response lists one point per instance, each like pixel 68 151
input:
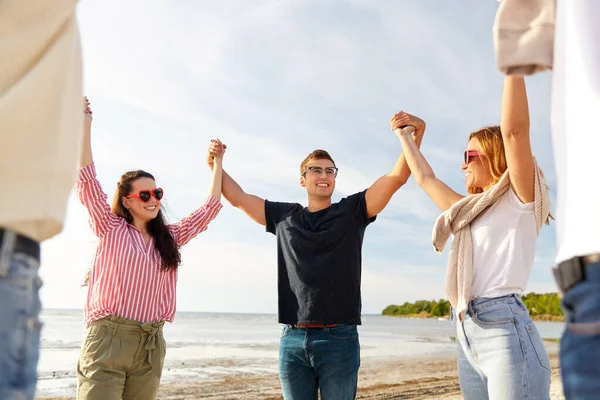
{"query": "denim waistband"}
pixel 484 302
pixel 592 272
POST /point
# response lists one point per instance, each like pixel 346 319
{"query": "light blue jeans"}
pixel 325 359
pixel 19 324
pixel 580 344
pixel 501 355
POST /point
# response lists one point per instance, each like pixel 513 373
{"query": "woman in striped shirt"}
pixel 132 283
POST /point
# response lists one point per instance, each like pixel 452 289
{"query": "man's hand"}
pixel 403 119
pixel 216 151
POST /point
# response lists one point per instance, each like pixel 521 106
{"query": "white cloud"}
pixel 276 80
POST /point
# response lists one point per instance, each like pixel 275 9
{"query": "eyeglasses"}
pixel 144 195
pixel 469 155
pixel 317 171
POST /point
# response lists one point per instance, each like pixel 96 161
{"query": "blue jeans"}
pixel 580 344
pixel 19 324
pixel 501 355
pixel 311 359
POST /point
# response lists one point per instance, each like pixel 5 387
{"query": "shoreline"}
pixel 424 378
pixel 423 315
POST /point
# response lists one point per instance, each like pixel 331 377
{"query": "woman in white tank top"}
pixel 500 353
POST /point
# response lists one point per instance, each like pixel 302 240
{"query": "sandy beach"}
pixel 213 356
pixel 378 380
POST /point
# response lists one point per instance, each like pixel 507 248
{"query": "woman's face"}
pixel 140 210
pixel 475 167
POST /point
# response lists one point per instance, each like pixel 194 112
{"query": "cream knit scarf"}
pixel 457 220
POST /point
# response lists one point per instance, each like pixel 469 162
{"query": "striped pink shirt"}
pixel 126 279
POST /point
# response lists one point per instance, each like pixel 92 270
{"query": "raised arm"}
pixel 250 204
pixel 197 222
pixel 515 134
pixel 438 191
pixel 380 192
pixel 217 151
pixel 85 157
pixel 88 189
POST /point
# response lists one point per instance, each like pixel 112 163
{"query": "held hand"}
pixel 402 122
pixel 216 150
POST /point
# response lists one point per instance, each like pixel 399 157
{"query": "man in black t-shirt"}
pixel 319 272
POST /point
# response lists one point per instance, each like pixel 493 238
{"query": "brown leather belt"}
pixel 315 326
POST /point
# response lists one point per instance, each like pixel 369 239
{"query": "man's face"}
pixel 319 178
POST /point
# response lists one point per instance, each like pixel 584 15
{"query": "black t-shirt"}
pixel 319 260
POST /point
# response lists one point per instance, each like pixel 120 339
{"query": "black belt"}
pixel 23 245
pixel 569 273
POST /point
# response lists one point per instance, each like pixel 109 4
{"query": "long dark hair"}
pixel 157 227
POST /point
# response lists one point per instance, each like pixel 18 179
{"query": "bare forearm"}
pixel 216 183
pixel 251 205
pixel 415 162
pixel 380 192
pixel 231 190
pixel 402 170
pixel 515 109
pixel 85 157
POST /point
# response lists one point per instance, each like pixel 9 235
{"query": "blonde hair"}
pixel 492 147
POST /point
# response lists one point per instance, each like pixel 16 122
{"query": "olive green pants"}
pixel 121 359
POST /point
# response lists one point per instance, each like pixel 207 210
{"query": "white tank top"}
pixel 504 241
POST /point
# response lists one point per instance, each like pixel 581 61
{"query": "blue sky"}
pixel 275 80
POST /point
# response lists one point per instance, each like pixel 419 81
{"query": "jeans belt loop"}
pixel 470 309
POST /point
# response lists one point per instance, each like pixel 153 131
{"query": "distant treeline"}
pixel 539 305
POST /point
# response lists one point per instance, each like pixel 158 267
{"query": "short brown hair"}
pixel 315 155
pixel 492 147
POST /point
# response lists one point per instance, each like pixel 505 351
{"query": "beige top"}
pixel 457 220
pixel 524 36
pixel 41 113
